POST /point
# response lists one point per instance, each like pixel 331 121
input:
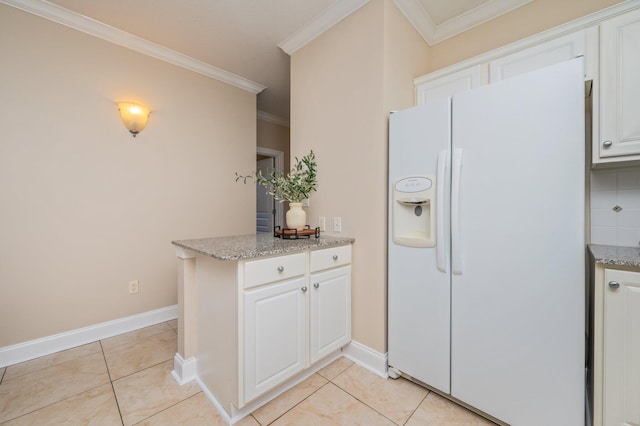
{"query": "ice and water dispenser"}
pixel 414 214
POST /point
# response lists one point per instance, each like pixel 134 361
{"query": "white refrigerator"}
pixel 486 255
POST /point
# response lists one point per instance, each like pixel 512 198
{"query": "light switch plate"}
pixel 337 224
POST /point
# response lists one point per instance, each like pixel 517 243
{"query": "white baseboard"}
pixel 14 354
pixel 366 357
pixel 237 414
pixel 183 371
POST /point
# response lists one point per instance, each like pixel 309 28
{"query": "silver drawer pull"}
pixel 607 144
pixel 614 284
pixel 335 257
pixel 280 268
pixel 316 285
pixel 304 289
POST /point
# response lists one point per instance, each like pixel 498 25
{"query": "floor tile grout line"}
pixel 122 346
pixel 418 406
pixel 166 408
pixel 141 370
pixel 113 390
pixel 358 399
pixel 47 366
pixel 299 402
pixel 53 403
pixel 364 403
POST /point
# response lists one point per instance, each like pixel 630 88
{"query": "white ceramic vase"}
pixel 296 217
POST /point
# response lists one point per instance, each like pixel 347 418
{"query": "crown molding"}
pixel 419 18
pixel 273 119
pixel 476 16
pixel 327 19
pixel 582 23
pixel 432 33
pixel 122 38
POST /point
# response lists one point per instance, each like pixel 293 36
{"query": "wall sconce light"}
pixel 134 116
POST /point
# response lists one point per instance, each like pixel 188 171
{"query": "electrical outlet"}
pixel 306 202
pixel 133 287
pixel 322 223
pixel 337 224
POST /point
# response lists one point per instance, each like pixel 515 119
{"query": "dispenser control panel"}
pixel 413 184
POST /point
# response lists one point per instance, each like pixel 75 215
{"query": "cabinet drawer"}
pixel 330 258
pixel 257 272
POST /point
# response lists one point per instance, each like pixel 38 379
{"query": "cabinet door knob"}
pixel 280 268
pixel 304 288
pixel 614 284
pixel 335 257
pixel 607 144
pixel 316 285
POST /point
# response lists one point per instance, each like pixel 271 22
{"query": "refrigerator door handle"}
pixel 456 241
pixel 441 254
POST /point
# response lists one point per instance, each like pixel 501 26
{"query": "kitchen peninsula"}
pixel 258 314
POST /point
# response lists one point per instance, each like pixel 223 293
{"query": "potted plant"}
pixel 293 187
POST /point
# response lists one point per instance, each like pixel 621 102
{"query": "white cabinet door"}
pixel 622 348
pixel 330 311
pixel 542 55
pixel 620 89
pixel 274 335
pixel 432 87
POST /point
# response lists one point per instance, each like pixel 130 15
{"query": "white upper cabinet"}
pixel 619 138
pixel 432 86
pixel 539 56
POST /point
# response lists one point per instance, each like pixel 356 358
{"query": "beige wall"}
pixel 342 85
pixel 85 207
pixel 530 19
pixel 274 136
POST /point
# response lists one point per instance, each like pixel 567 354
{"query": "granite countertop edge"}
pixel 614 255
pixel 241 247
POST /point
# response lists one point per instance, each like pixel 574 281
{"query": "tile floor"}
pixel 126 380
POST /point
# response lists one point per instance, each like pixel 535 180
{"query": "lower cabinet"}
pixel 289 324
pixel 330 312
pixel 616 355
pixel 274 335
pixel 621 394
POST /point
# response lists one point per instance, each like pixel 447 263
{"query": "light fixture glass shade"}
pixel 134 116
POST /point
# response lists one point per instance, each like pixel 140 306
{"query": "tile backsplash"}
pixel 615 207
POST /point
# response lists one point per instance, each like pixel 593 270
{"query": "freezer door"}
pixel 419 282
pixel 519 249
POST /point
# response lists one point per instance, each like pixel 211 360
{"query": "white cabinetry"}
pixel 330 307
pixel 615 369
pixel 291 324
pixel 438 86
pixel 621 402
pixel 330 311
pixel 501 65
pixel 539 56
pixel 261 322
pixel 619 138
pixel 274 335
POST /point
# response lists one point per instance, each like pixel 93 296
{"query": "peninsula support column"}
pixel 184 363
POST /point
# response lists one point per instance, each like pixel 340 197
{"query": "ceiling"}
pixel 253 38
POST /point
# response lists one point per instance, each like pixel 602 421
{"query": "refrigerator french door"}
pixel 486 246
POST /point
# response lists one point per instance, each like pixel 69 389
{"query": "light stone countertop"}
pixel 613 255
pixel 251 246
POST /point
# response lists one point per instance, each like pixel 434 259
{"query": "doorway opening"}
pixel 268 211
